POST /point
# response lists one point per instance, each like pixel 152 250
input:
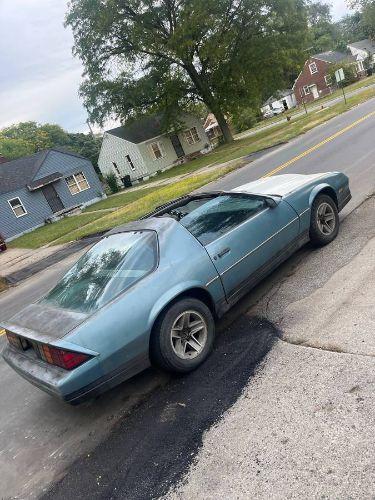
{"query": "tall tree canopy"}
pixel 150 56
pixel 26 138
pixel 323 33
pixel 367 10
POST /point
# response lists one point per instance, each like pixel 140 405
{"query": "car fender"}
pixel 317 189
pixel 170 295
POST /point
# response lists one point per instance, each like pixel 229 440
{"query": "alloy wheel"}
pixel 189 335
pixel 326 218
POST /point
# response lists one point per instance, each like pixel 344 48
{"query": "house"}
pixel 212 128
pixel 314 80
pixel 281 99
pixel 39 188
pixel 142 148
pixel 361 51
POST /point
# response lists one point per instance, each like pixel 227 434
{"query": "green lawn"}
pixel 365 82
pixel 51 232
pixel 119 200
pixel 131 205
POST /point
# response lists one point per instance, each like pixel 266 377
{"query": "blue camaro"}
pixel 149 292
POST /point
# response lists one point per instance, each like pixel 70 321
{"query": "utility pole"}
pixel 343 92
pixel 304 105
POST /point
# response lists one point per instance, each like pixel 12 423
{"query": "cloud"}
pixel 39 77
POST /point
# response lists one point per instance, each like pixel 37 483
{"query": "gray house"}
pixel 38 188
pixel 140 149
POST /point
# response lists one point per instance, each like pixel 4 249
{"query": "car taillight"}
pixel 59 357
pixel 52 355
pixel 16 341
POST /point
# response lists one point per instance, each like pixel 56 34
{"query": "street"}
pixel 150 429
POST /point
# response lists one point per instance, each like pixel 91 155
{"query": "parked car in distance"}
pixel 3 245
pixel 277 110
pixel 149 292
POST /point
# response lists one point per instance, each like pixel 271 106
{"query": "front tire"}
pixel 183 336
pixel 325 222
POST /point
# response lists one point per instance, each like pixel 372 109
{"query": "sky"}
pixel 39 77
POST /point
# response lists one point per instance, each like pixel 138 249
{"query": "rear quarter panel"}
pixel 120 331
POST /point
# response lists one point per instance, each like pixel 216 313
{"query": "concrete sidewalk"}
pixel 304 426
pixel 18 264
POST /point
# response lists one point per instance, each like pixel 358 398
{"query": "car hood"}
pixel 277 185
pixel 44 323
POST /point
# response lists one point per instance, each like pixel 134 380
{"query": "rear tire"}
pixel 183 336
pixel 325 222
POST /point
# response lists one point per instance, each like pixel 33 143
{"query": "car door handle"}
pixel 223 252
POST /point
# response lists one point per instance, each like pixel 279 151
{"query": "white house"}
pixel 141 148
pixel 362 50
pixel 282 99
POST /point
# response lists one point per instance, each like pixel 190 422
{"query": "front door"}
pixel 259 238
pixel 52 198
pixel 314 90
pixel 177 146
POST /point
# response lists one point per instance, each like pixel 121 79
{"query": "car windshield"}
pixel 107 269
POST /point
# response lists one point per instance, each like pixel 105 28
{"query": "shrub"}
pixel 111 180
pixel 244 119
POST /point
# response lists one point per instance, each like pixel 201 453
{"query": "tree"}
pixel 143 56
pixel 27 138
pixel 367 11
pixel 350 29
pixel 322 31
pixel 15 148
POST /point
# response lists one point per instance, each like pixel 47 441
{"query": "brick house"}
pixel 314 81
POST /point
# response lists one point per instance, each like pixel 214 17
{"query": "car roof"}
pixel 158 224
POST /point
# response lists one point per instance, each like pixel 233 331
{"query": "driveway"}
pixel 41 437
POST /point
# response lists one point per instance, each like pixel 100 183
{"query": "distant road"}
pixel 310 109
pixel 345 143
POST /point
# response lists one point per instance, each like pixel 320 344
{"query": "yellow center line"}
pixel 2 331
pixel 320 144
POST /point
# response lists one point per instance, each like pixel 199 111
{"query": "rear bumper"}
pixel 62 384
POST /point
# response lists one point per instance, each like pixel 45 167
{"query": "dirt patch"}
pixel 3 284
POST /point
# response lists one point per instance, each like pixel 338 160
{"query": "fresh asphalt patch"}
pixel 151 449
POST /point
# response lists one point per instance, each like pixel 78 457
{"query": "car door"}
pixel 243 235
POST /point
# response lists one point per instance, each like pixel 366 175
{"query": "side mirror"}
pixel 272 202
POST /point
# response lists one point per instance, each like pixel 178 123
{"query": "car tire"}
pixel 325 222
pixel 178 344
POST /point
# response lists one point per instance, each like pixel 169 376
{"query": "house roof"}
pixel 19 173
pixel 279 94
pixel 332 56
pixel 140 130
pixel 366 44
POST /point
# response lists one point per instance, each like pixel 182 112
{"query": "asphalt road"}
pixel 40 437
pixel 310 109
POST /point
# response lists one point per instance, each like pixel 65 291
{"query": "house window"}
pixel 77 183
pixel 306 89
pixel 116 168
pixel 328 80
pixel 130 163
pixel 301 93
pixel 192 136
pixel 17 207
pixel 360 66
pixel 313 68
pixel 156 150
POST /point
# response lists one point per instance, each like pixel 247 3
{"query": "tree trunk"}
pixel 204 91
pixel 223 124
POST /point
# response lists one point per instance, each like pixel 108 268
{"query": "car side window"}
pixel 221 214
